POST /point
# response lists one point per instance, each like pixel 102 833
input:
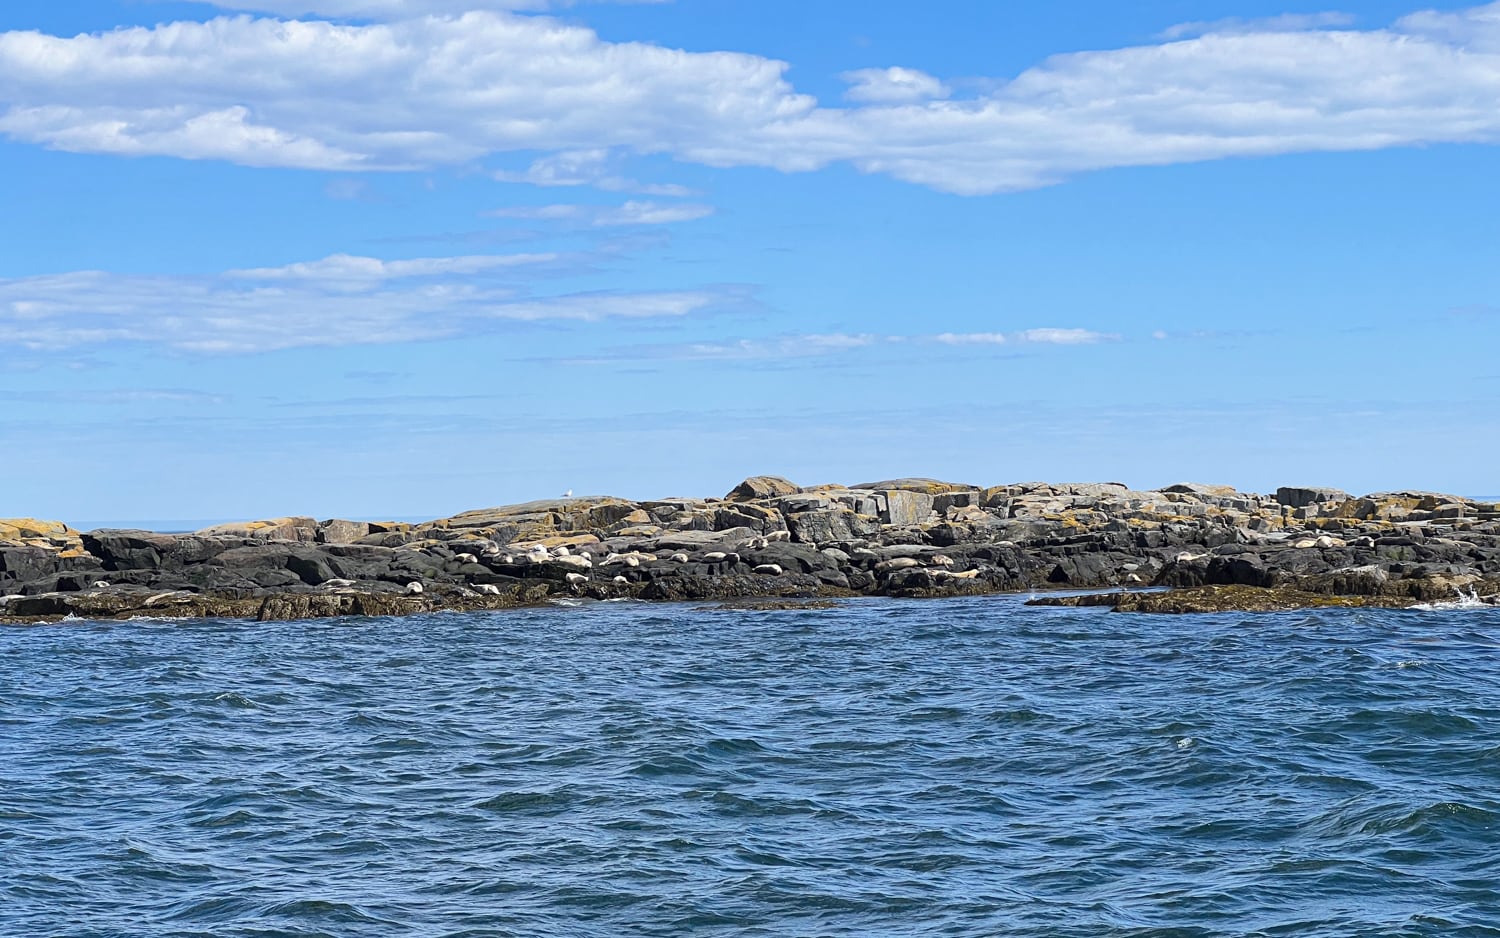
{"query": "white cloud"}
pixel 821 344
pixel 370 271
pixel 392 9
pixel 447 90
pixel 587 168
pixel 631 213
pixel 776 347
pixel 1047 336
pixel 339 300
pixel 1287 22
pixel 1475 29
pixel 1065 336
pixel 892 86
pixel 971 338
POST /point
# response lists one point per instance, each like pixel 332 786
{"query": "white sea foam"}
pixel 1469 600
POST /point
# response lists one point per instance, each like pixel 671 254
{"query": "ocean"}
pixel 968 767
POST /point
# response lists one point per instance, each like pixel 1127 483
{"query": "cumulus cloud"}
pixel 608 216
pixel 339 300
pixel 444 90
pixel 892 86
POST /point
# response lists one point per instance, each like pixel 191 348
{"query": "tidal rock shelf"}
pixel 771 540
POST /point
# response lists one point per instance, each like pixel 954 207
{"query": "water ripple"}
pixel 967 768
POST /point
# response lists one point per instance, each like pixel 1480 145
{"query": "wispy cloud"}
pixel 396 9
pixel 822 344
pixel 347 189
pixel 363 99
pixel 1033 336
pixel 115 396
pixel 609 216
pixel 1287 22
pixel 594 167
pixel 364 271
pixel 340 300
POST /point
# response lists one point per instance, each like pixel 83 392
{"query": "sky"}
pixel 403 258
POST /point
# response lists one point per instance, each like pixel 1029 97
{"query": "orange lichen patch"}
pixel 16 529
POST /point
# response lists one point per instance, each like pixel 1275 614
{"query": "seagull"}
pixel 568 494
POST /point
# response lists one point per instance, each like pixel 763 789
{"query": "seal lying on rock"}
pixel 896 538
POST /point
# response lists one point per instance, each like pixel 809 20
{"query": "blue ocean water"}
pixel 968 767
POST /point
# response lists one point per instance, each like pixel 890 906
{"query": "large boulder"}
pixel 756 488
pixel 924 486
pixel 339 531
pixel 19 563
pixel 1199 489
pixel 273 529
pixel 905 508
pixel 1300 496
pixel 830 527
pixel 23 529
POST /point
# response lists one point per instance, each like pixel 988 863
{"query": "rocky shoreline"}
pixel 770 540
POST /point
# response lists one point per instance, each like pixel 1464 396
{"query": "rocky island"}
pixel 770 540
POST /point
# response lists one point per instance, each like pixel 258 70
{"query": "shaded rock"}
pixel 829 527
pixel 1302 496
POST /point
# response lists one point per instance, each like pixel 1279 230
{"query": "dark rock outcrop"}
pixel 772 540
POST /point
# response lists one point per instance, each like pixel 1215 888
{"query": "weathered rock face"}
pixel 1301 497
pixel 757 488
pixel 769 538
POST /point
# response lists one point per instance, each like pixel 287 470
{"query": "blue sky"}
pixel 400 258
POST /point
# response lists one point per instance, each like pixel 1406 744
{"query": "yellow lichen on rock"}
pixel 17 529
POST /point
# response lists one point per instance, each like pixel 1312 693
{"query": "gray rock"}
pixel 1302 496
pixel 756 488
pixel 906 509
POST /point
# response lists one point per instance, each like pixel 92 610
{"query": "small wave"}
pixel 1432 818
pixel 530 801
pixel 323 910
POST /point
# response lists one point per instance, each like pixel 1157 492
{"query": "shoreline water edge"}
pixel 1183 548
